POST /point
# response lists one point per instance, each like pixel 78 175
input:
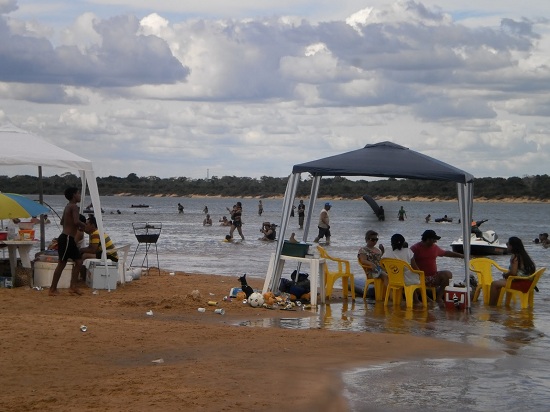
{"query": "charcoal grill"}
pixel 147 235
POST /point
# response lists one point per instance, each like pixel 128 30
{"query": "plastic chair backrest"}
pixel 522 287
pixel 395 268
pixel 483 267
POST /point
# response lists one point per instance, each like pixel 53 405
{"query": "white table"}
pixel 316 274
pixel 24 247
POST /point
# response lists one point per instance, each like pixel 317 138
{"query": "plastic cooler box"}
pixel 295 249
pixel 43 275
pixel 455 298
pixel 98 278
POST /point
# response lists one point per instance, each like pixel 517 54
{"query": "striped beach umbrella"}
pixel 16 206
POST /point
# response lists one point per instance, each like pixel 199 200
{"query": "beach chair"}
pixel 483 268
pixel 342 272
pixel 395 268
pixel 521 287
pixel 122 253
pixel 378 283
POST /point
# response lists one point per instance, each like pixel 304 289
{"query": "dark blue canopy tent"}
pixel 383 159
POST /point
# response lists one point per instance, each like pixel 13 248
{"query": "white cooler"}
pixel 97 278
pixel 43 274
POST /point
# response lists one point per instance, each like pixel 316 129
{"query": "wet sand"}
pixel 209 361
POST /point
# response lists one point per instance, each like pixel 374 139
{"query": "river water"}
pixel 519 380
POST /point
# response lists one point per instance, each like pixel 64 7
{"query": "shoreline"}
pixel 209 362
pixel 380 199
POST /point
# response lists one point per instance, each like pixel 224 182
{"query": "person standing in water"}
pixel 401 214
pixel 260 208
pixel 324 225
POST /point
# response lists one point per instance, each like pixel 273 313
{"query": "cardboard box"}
pixel 98 278
pixel 455 298
pixel 26 234
pixel 43 275
pixel 295 249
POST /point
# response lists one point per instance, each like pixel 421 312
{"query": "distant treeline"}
pixel 531 187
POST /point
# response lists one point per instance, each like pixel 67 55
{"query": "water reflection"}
pixel 457 384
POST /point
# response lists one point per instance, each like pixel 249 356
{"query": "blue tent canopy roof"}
pixel 385 159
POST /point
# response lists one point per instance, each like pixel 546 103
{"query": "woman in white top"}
pixel 400 250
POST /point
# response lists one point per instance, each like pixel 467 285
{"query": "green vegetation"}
pixel 532 187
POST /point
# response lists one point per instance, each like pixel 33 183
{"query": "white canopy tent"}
pixel 384 159
pixel 23 148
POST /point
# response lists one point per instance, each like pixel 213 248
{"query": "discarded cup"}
pixel 37 288
pixel 201 309
pixel 149 313
pixel 158 360
pixel 220 311
pixel 95 292
pixel 212 303
pixel 226 299
pixel 83 328
pixel 172 273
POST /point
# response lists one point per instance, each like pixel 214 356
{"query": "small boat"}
pixel 443 219
pixel 140 205
pixel 486 245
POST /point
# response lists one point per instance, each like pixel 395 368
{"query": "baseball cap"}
pixel 430 234
pixel 328 204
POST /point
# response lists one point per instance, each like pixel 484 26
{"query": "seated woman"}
pixel 400 250
pixel 224 221
pixel 521 264
pixel 369 256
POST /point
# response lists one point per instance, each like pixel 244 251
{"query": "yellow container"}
pixel 26 234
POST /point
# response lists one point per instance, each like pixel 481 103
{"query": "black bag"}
pixel 301 277
pixel 285 285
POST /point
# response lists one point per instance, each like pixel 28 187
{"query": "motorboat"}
pixel 140 205
pixel 488 244
pixel 444 219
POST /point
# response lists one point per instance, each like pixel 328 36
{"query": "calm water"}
pixel 469 385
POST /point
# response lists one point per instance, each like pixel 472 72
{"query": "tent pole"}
pixel 465 202
pixel 41 200
pixel 290 193
pixel 311 207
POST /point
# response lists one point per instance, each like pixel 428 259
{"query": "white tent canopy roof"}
pixel 20 147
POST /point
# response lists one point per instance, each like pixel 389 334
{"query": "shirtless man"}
pixel 67 248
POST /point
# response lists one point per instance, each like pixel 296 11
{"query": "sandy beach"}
pixel 209 361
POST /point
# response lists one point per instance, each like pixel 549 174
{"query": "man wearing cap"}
pixel 324 224
pixel 426 253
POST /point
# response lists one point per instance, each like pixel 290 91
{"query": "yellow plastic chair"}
pixel 521 287
pixel 379 291
pixel 483 268
pixel 343 272
pixel 395 268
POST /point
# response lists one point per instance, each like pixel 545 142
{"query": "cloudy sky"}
pixel 251 87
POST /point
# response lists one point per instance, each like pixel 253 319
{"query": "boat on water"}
pixel 488 244
pixel 140 205
pixel 444 219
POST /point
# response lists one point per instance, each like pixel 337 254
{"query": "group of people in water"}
pixel 268 229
